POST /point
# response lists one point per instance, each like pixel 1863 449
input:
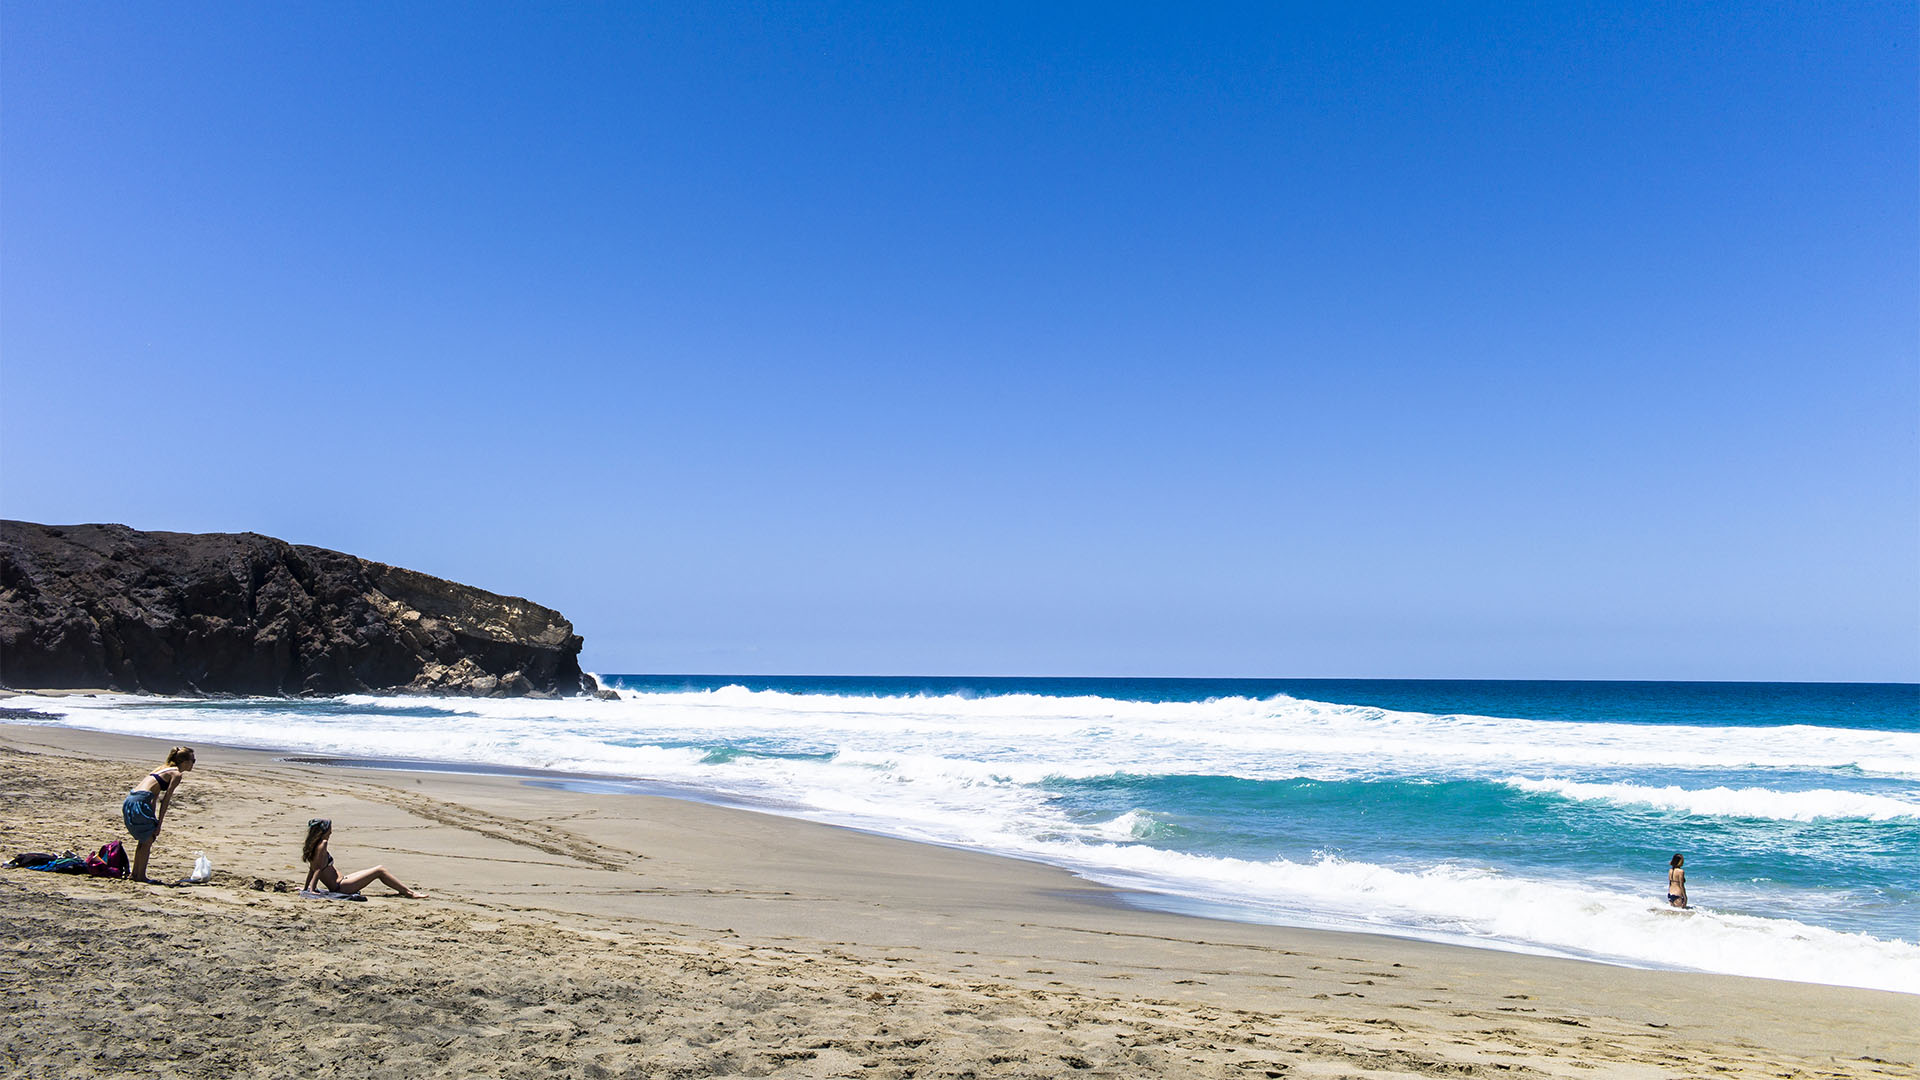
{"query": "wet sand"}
pixel 580 934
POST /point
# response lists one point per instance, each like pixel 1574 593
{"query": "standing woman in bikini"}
pixel 322 875
pixel 146 805
pixel 1677 882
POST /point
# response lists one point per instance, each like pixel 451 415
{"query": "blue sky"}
pixel 1464 341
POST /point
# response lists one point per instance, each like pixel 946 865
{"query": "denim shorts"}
pixel 141 820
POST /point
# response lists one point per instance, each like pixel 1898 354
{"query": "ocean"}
pixel 1527 816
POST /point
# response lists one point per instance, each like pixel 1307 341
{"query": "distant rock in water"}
pixel 239 613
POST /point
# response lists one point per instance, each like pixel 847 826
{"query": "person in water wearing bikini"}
pixel 146 806
pixel 322 875
pixel 1677 882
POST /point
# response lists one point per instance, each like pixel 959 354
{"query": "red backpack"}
pixel 109 861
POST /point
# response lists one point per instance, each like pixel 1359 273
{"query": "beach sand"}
pixel 575 934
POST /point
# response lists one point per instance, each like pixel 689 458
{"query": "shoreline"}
pixel 1138 897
pixel 982 956
pixel 1097 892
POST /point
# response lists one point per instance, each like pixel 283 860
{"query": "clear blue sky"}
pixel 1429 340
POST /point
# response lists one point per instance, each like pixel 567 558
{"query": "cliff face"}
pixel 111 607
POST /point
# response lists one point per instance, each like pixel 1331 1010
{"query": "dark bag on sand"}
pixel 109 861
pixel 31 860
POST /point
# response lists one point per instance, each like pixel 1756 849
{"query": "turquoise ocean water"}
pixel 1533 816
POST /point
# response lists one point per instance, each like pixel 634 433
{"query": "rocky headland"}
pixel 114 608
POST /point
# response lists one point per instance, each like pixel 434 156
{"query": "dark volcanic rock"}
pixel 238 613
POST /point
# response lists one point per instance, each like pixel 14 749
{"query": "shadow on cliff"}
pixel 109 607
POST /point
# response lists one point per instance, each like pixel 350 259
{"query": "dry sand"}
pixel 589 935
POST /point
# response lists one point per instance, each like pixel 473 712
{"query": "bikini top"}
pixel 161 780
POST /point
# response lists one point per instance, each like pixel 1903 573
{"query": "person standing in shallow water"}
pixel 146 806
pixel 1677 881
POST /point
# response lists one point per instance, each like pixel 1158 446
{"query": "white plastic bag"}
pixel 202 869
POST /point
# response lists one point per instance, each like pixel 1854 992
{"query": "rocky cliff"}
pixel 238 613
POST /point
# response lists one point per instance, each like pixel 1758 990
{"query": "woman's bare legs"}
pixel 141 849
pixel 353 883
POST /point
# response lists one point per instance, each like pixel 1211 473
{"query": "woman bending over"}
pixel 146 806
pixel 322 875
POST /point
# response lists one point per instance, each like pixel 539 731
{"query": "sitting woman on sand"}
pixel 1677 882
pixel 146 806
pixel 322 875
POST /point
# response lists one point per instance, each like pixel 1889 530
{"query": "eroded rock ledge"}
pixel 239 613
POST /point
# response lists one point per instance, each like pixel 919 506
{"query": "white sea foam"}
pixel 1254 738
pixel 970 771
pixel 1132 825
pixel 1465 904
pixel 1750 802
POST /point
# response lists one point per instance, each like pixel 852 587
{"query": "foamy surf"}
pixel 1506 832
pixel 1461 904
pixel 1820 804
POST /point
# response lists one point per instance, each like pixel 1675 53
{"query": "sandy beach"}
pixel 571 933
